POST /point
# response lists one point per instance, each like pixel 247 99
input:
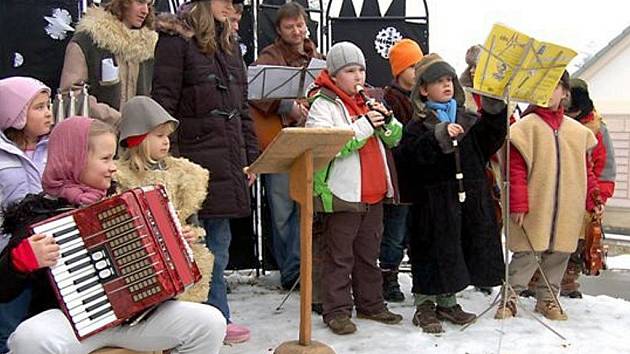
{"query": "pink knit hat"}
pixel 16 94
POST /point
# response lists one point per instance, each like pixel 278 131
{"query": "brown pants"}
pixel 353 242
pixel 319 250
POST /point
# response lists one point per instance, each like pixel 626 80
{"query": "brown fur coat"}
pixel 187 185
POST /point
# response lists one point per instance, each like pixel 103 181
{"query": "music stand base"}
pixel 294 347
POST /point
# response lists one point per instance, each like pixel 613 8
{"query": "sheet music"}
pixel 278 82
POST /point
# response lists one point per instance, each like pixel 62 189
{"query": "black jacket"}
pixel 452 244
pixel 34 208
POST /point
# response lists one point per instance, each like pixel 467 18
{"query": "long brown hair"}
pixel 118 8
pixel 202 22
pixel 17 136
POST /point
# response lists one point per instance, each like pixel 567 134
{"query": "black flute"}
pixel 459 175
pixel 370 103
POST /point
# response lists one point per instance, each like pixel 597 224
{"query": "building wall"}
pixel 609 82
pixel 619 128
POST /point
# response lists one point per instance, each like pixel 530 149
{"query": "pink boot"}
pixel 236 334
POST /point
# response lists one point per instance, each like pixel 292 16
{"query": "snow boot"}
pixel 426 318
pixel 549 309
pixel 454 314
pixel 391 288
pixel 384 316
pixel 342 325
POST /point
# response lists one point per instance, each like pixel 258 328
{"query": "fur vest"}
pixel 110 46
pixel 186 185
pixel 556 186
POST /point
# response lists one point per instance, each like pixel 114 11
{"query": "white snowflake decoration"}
pixel 18 60
pixel 58 24
pixel 385 39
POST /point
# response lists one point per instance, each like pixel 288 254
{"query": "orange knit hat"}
pixel 403 54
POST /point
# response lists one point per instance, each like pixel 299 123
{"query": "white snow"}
pixel 618 262
pixel 596 325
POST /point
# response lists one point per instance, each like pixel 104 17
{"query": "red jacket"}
pixel 603 160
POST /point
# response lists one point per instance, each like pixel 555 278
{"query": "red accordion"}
pixel 119 257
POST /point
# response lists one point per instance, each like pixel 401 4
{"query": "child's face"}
pixel 407 78
pixel 158 141
pixel 39 118
pixel 349 77
pixel 100 167
pixel 557 96
pixel 440 90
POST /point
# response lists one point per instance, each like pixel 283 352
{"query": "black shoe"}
pixel 484 290
pixel 527 293
pixel 317 308
pixel 575 294
pixel 391 288
pixel 288 284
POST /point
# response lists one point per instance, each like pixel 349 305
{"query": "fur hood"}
pixel 109 33
pixel 173 25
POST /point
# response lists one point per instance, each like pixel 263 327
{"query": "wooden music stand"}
pixel 301 152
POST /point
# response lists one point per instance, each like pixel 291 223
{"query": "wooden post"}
pixel 301 190
pixel 300 151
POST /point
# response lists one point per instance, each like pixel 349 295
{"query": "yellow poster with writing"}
pixel 515 64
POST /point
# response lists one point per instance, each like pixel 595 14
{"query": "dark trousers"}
pixel 394 236
pixel 352 248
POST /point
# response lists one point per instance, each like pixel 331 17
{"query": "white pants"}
pixel 184 327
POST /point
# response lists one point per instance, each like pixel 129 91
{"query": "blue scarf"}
pixel 446 112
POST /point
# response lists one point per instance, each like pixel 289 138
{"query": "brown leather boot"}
pixel 549 309
pixel 385 316
pixel 342 325
pixel 454 314
pixel 569 285
pixel 507 311
pixel 426 318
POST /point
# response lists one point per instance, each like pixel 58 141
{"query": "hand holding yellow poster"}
pixel 519 66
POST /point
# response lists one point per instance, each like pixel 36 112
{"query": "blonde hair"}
pixel 201 20
pixel 139 157
pixel 98 128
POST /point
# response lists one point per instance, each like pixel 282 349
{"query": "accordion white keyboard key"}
pixel 77 278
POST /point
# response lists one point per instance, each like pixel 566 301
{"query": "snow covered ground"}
pixel 596 324
pixel 619 262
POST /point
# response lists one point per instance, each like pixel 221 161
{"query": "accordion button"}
pixel 105 273
pixel 101 264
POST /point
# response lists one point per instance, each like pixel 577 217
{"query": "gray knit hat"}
pixel 343 54
pixel 139 116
